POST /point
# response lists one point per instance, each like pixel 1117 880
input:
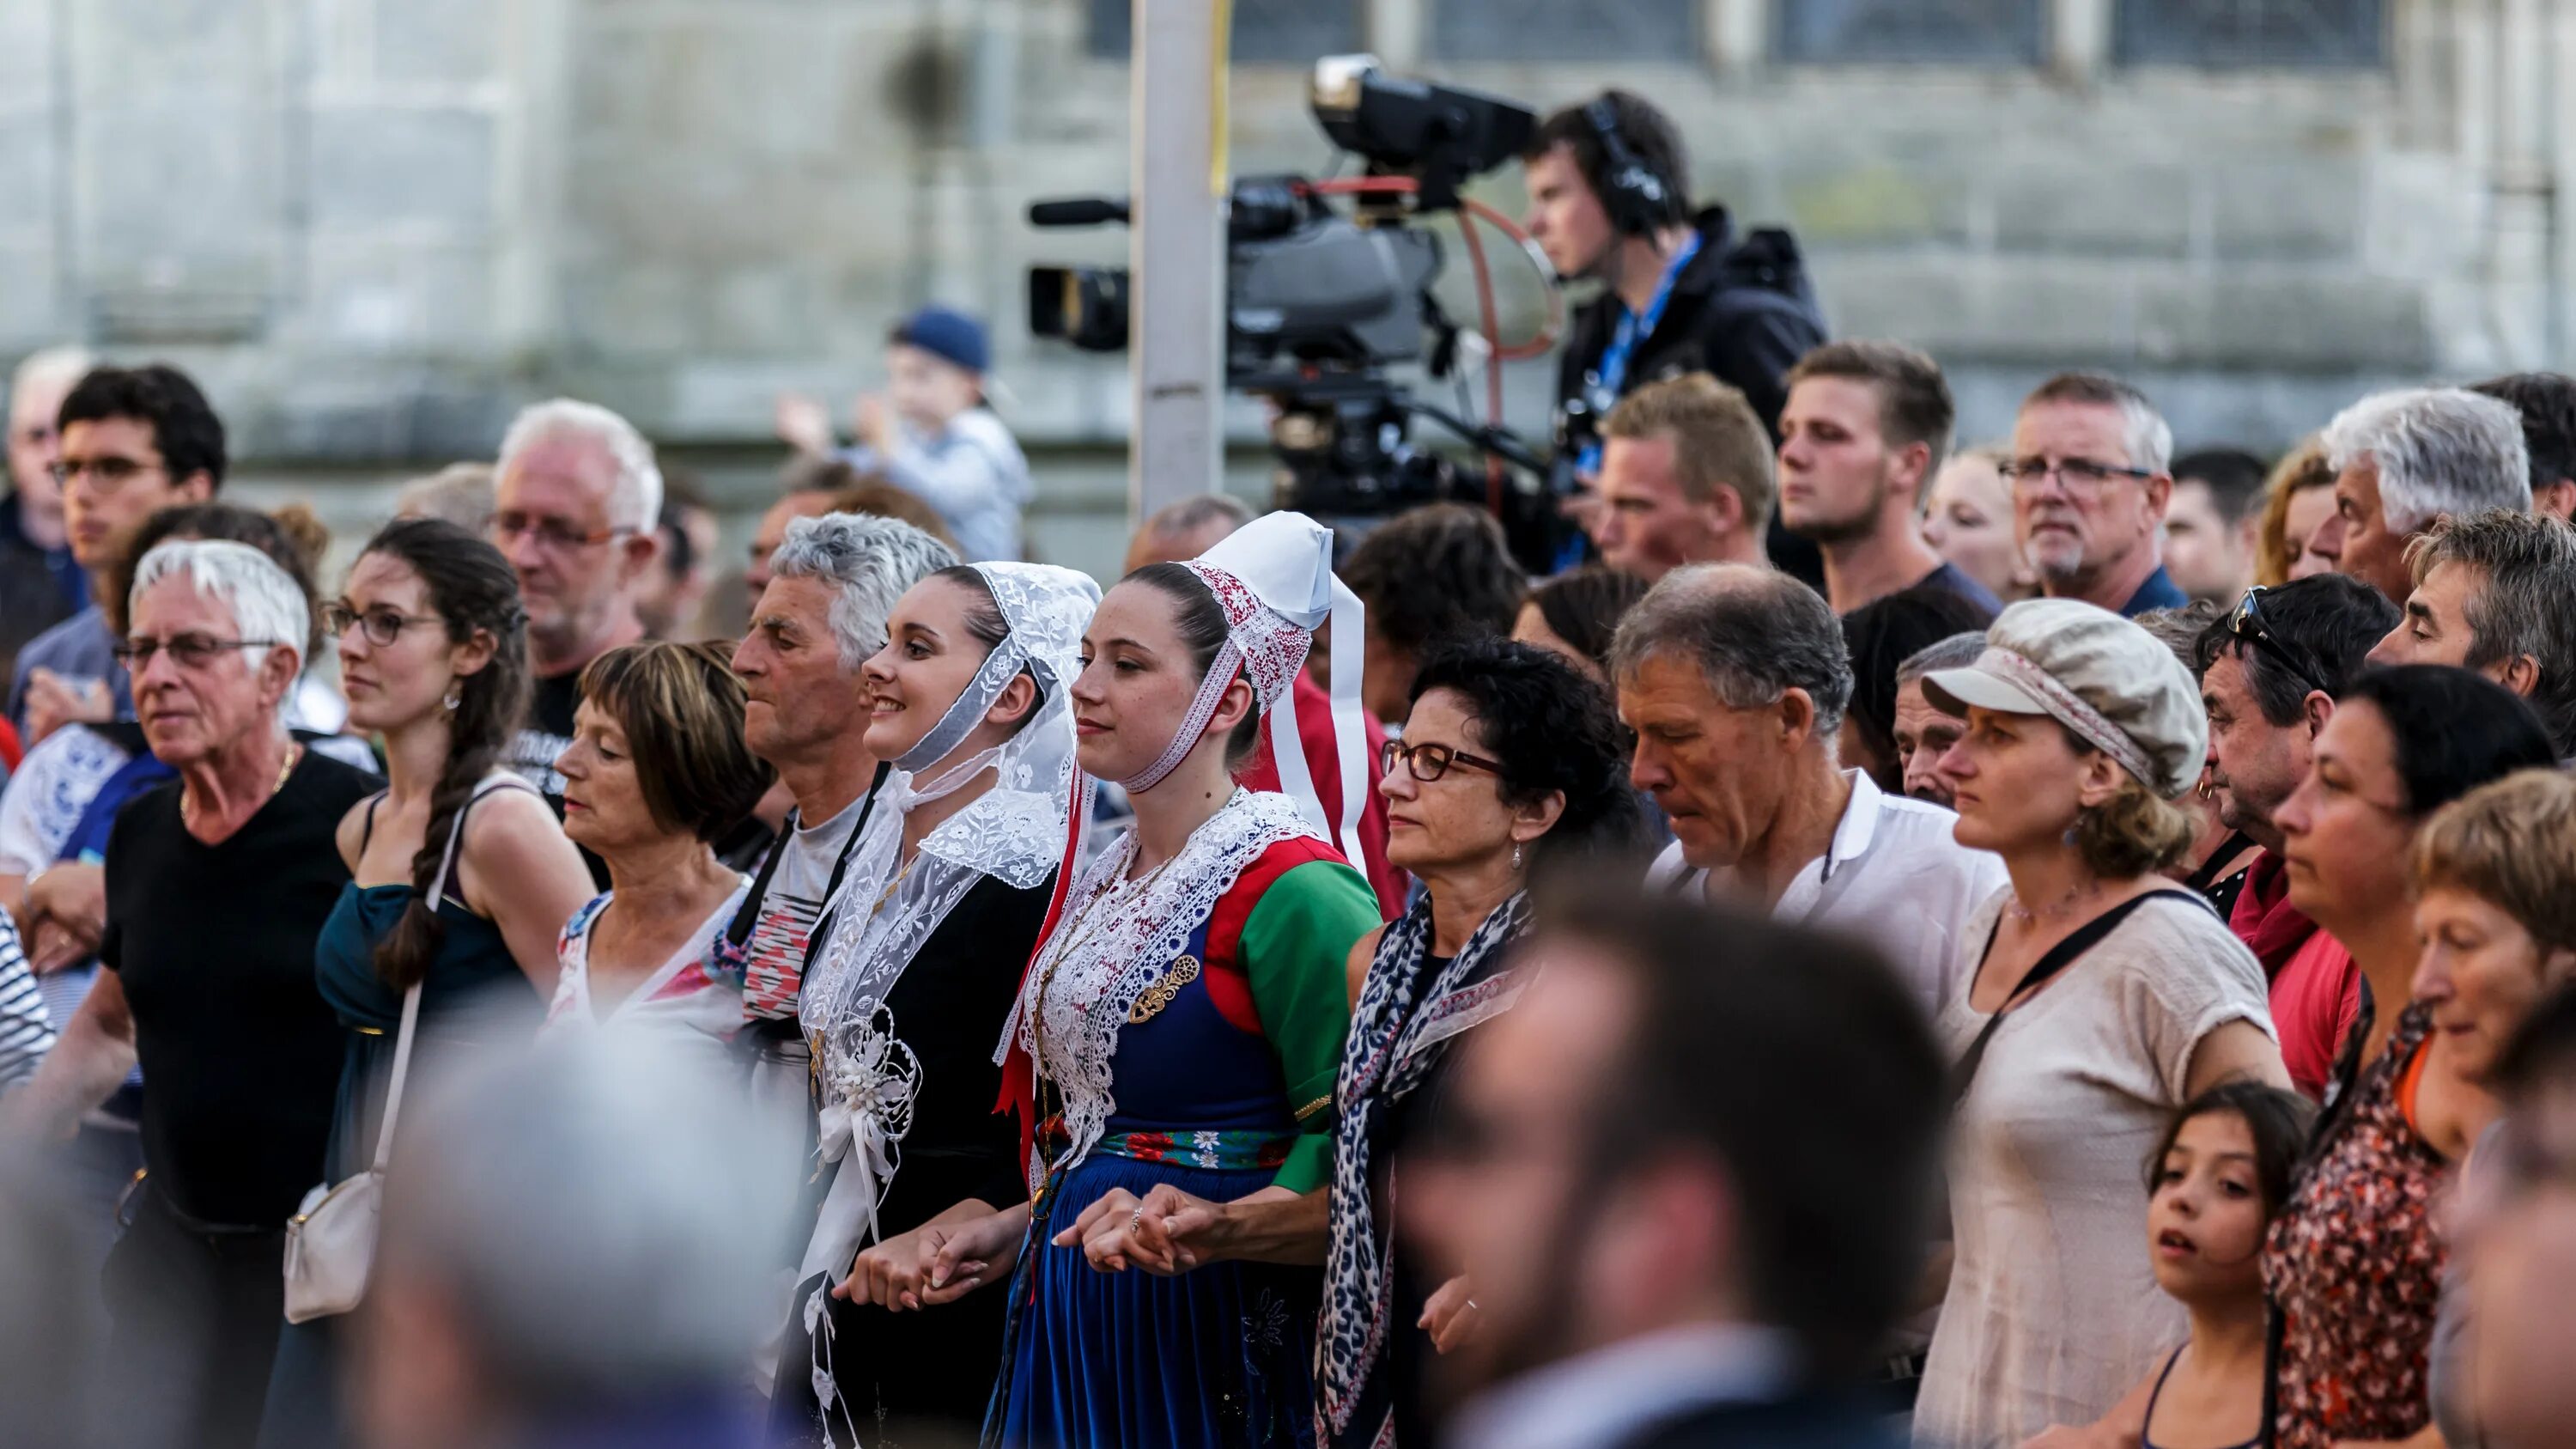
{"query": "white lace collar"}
pixel 1115 935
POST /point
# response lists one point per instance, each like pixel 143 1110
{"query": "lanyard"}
pixel 1610 376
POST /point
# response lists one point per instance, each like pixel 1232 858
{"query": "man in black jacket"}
pixel 1681 291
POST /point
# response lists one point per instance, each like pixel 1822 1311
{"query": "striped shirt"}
pixel 26 1029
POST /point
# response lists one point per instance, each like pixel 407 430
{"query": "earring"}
pixel 454 698
pixel 1516 855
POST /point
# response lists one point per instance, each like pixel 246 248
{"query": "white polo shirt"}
pixel 1892 876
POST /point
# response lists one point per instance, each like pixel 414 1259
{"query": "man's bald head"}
pixel 1184 530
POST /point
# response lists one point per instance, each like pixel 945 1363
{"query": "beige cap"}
pixel 2095 673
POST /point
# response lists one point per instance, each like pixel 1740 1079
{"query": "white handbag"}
pixel 331 1240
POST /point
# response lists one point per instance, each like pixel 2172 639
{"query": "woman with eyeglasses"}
pixel 460 876
pixel 1512 761
pixel 2355 1263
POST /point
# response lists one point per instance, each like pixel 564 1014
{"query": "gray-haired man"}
pixel 1735 679
pixel 575 496
pixel 834 581
pixel 2404 459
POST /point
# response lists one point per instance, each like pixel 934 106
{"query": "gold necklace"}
pixel 1074 937
pixel 294 752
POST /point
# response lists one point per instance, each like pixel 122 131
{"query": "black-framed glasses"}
pixel 107 474
pixel 383 625
pixel 1428 762
pixel 2247 624
pixel 2085 474
pixel 192 651
pixel 554 533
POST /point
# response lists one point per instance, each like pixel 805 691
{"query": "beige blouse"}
pixel 2053 1311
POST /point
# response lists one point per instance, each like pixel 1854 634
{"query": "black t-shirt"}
pixel 214 946
pixel 548 733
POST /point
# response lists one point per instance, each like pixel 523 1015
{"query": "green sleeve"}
pixel 1295 953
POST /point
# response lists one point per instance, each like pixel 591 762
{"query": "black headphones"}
pixel 1636 197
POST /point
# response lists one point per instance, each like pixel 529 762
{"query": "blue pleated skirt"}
pixel 1218 1358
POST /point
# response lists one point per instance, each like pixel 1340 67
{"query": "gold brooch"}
pixel 1158 993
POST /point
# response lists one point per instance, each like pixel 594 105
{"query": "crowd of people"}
pixel 2050 943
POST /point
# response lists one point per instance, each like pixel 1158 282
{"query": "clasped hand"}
pixel 935 1263
pixel 1166 1232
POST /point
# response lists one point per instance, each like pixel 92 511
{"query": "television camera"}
pixel 1321 303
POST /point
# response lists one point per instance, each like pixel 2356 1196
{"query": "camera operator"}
pixel 1681 291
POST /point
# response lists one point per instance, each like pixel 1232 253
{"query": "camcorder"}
pixel 1320 303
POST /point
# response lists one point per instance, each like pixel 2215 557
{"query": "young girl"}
pixel 2213 1186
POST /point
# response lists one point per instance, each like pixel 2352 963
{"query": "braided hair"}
pixel 472 590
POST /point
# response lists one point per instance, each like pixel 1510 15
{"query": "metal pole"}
pixel 1176 251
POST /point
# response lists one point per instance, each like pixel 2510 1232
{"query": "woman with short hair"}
pixel 656 773
pixel 2097 1000
pixel 2448 966
pixel 1512 764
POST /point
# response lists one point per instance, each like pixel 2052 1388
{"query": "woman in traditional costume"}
pixel 1183 1022
pixel 946 893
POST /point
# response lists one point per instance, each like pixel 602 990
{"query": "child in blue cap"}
pixel 932 433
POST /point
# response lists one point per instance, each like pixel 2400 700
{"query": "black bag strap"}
pixel 738 931
pixel 2060 956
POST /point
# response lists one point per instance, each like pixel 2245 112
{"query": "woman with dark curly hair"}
pixel 1512 762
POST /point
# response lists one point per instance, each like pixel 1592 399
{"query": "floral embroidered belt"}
pixel 1231 1150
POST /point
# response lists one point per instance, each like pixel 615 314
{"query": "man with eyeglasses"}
pixel 41 583
pixel 576 497
pixel 132 442
pixel 2269 673
pixel 1735 678
pixel 2091 477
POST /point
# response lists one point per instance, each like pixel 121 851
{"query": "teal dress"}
pixel 474 994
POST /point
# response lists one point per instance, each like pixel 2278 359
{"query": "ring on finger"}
pixel 1135 1218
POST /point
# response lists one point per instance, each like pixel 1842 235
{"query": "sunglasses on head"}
pixel 2247 624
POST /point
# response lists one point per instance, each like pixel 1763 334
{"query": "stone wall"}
pixel 375 226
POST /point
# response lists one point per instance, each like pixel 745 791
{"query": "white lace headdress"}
pixel 887 909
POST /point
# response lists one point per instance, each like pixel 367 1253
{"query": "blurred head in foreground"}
pixel 1601 1176
pixel 565 1254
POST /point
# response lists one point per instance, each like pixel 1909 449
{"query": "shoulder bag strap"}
pixel 2060 956
pixel 739 929
pixel 411 998
pixel 823 918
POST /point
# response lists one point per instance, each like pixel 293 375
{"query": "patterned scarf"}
pixel 1399 1031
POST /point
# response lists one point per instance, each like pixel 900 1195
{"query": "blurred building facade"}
pixel 375 226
